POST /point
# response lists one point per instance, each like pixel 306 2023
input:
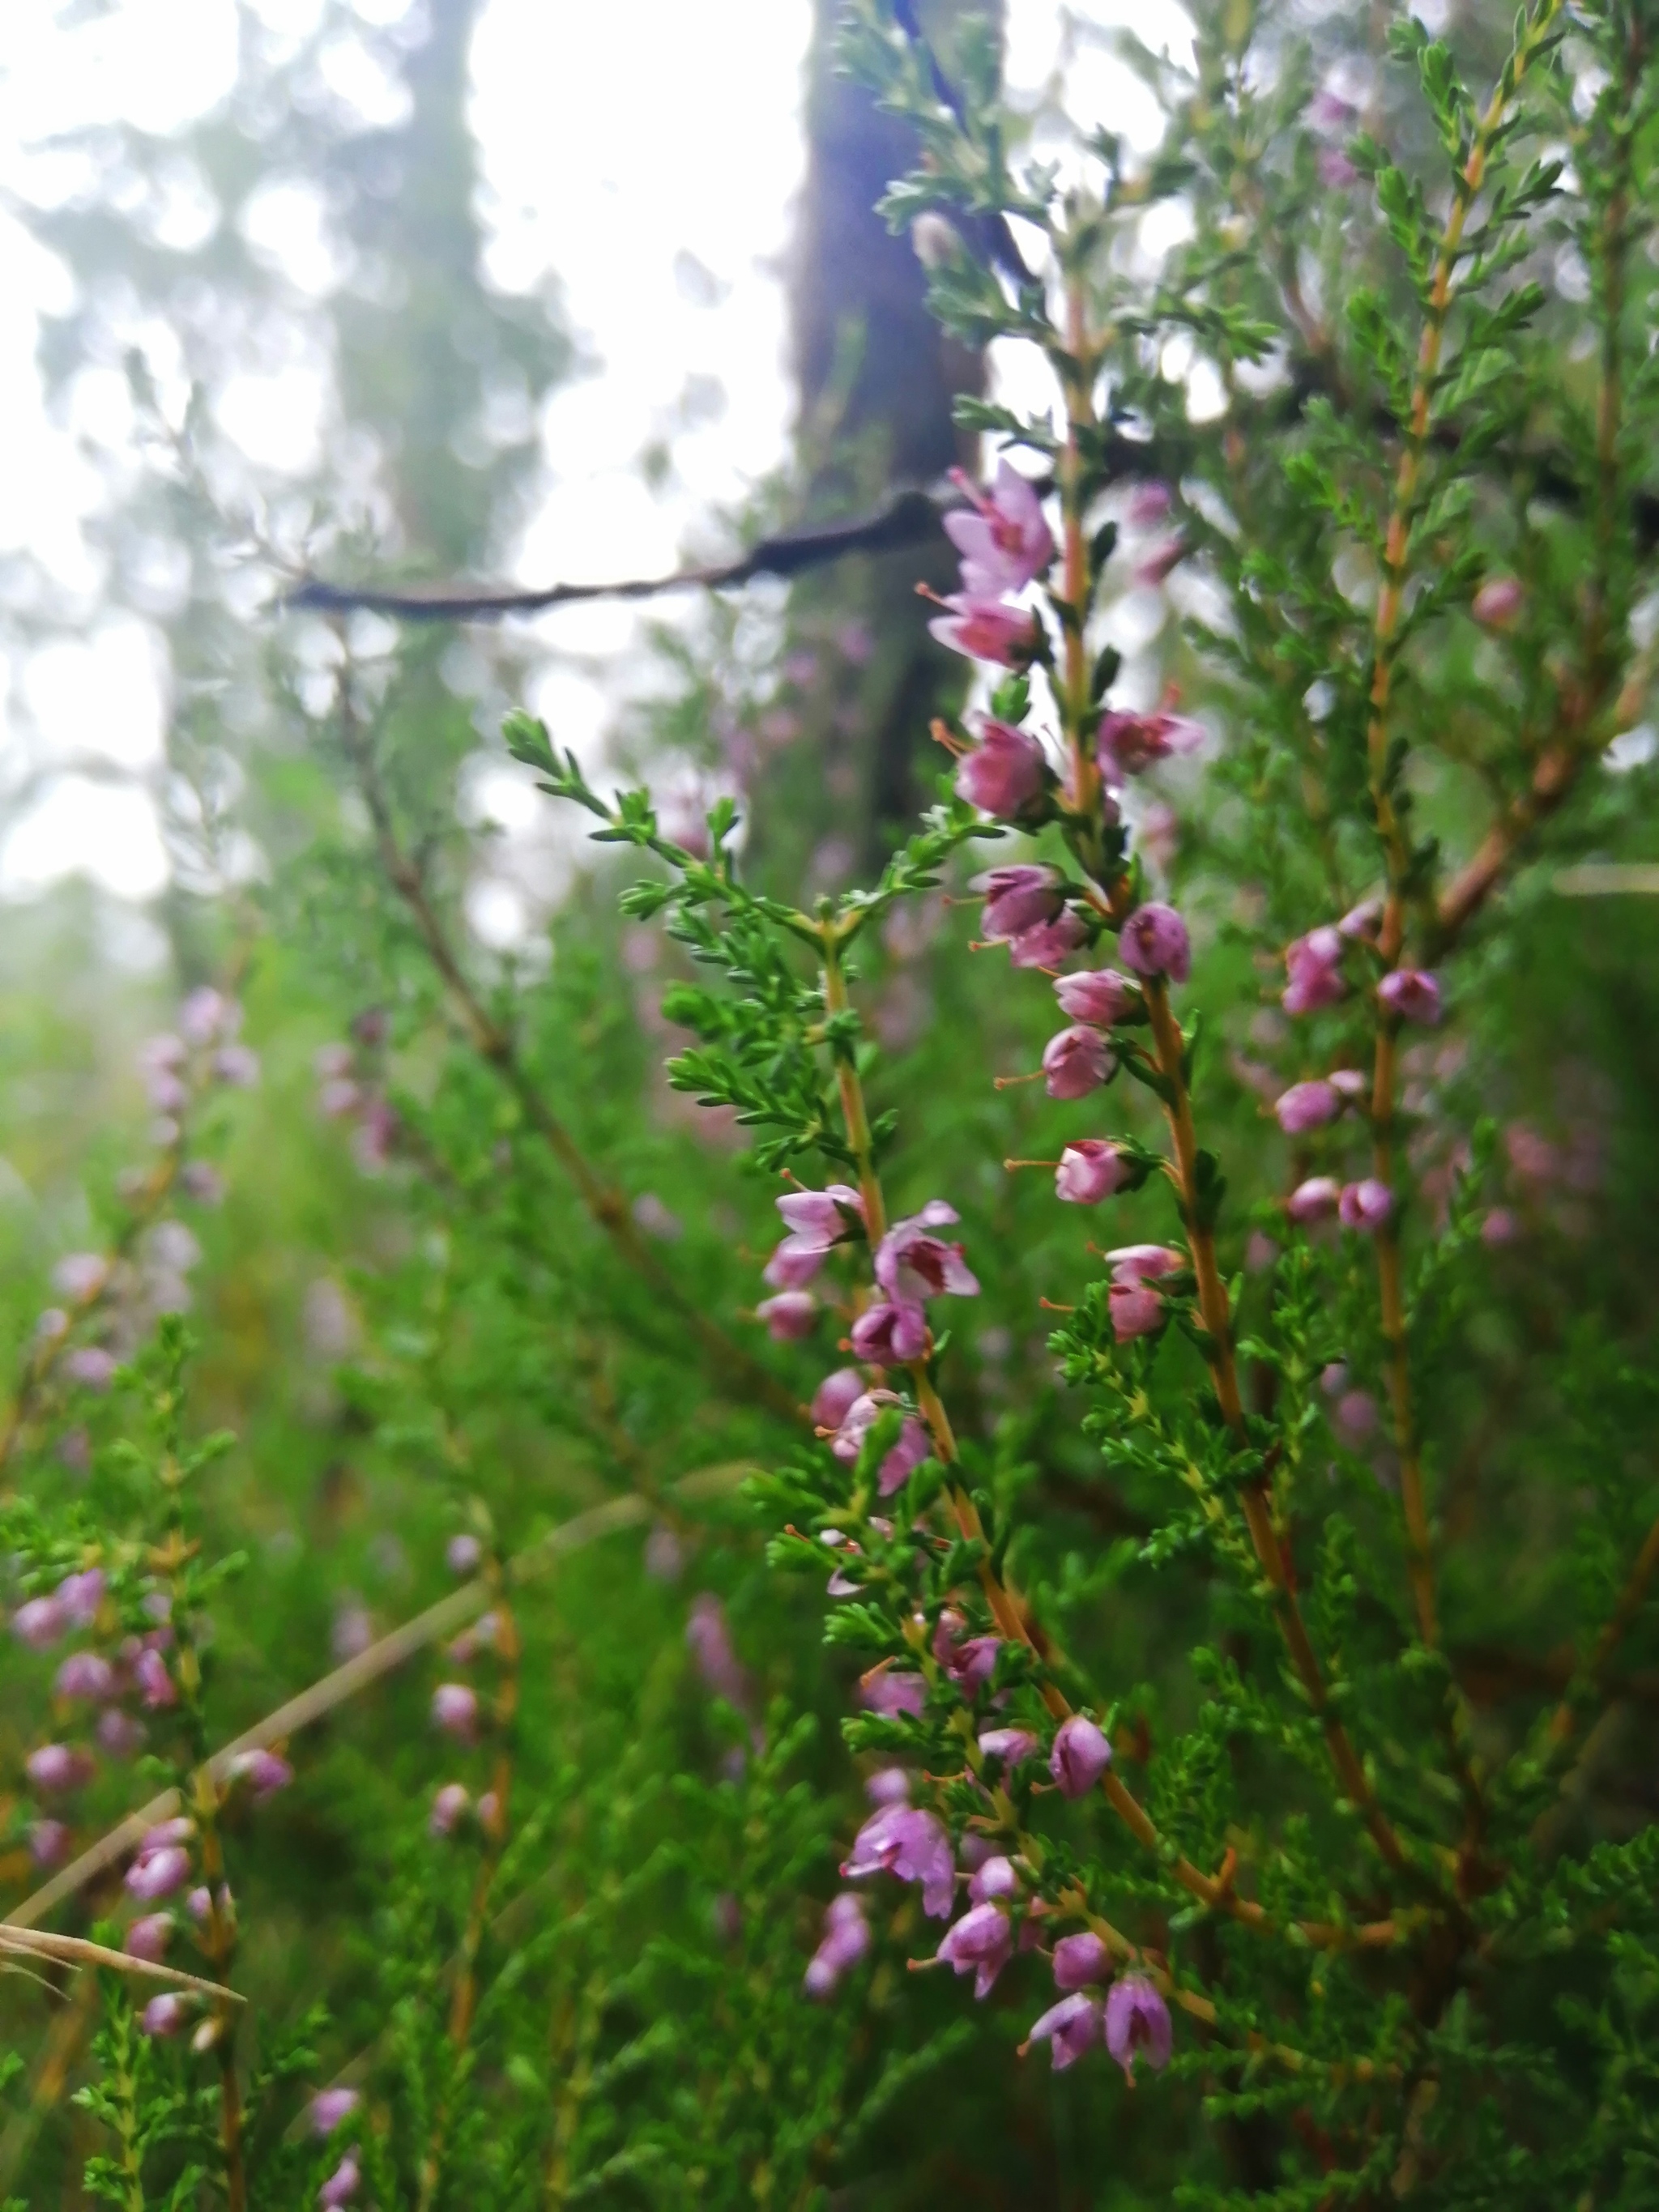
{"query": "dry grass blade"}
pixel 75 1951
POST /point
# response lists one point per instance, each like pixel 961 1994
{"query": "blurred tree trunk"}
pixel 874 366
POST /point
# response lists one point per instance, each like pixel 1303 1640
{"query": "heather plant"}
pixel 1207 1621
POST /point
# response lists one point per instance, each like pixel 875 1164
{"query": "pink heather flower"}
pixel 1315 1200
pixel 340 2186
pixel 162 1051
pixel 157 1874
pixel 1005 772
pixel 889 1785
pixel 164 2015
pixel 1328 111
pixel 1314 965
pixel 1411 995
pixel 338 1097
pixel 890 1335
pixel 1365 1206
pixel 1129 744
pixel 1080 1959
pixel 1150 503
pixel 1500 1227
pixel 912 1448
pixel 55 1768
pixel 1015 899
pixel 1362 921
pixel 49 1843
pixel 1048 943
pixel 836 1396
pixel 1498 601
pixel 1070 2028
pixel 1075 1061
pixel 789 1316
pixel 903 1840
pixel 81 1595
pixel 206 1015
pixel 121 1735
pixel 1007 543
pixel 913 1264
pixel 792 1265
pixel 1090 1170
pixel 984 629
pixel 1144 1263
pixel 1080 1756
pixel 891 1690
pixel 845 1940
pixel 1137 2024
pixel 39 1622
pixel 1099 995
pixel 91 1366
pixel 148 1938
pixel 1307 1106
pixel 1355 1415
pixel 79 1276
pixel 237 1065
pixel 329 2107
pixel 1013 1746
pixel 710 1640
pixel 262 1770
pixel 1350 1084
pixel 202 1181
pixel 993 1876
pixel 1154 942
pixel 971 1664
pixel 978 1944
pixel 164 1091
pixel 455 1711
pixel 179 1830
pixel 462 1554
pixel 1335 170
pixel 156 1685
pixel 449 1808
pixel 85 1674
pixel 816 1220
pixel 199 1903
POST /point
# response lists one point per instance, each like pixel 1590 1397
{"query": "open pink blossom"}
pixel 913 1264
pixel 1137 2024
pixel 81 1595
pixel 821 1218
pixel 156 1685
pixel 1411 995
pixel 39 1622
pixel 861 1417
pixel 1365 1206
pixel 789 1316
pixel 1314 1199
pixel 1144 1263
pixel 1080 1755
pixel 1314 965
pixel 1090 1169
pixel 891 1334
pixel 890 1691
pixel 1013 1746
pixel 1005 773
pixel 1099 995
pixel 792 1265
pixel 1076 1061
pixel 836 1396
pixel 1081 1960
pixel 980 1944
pixel 984 629
pixel 1006 544
pixel 905 1841
pixel 1130 744
pixel 1307 1106
pixel 85 1675
pixel 1048 943
pixel 1016 898
pixel 845 1939
pixel 1070 2028
pixel 1154 942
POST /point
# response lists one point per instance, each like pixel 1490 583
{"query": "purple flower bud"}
pixel 1498 601
pixel 449 1808
pixel 1144 1263
pixel 340 2186
pixel 157 1874
pixel 79 1276
pixel 85 1674
pixel 1099 995
pixel 890 1691
pixel 1015 899
pixel 984 629
pixel 237 1065
pixel 846 1939
pixel 1046 943
pixel 199 1903
pixel 91 1366
pixel 889 1785
pixel 1307 1106
pixel 81 1595
pixel 455 1711
pixel 1013 1746
pixel 329 2107
pixel 905 1841
pixel 792 1265
pixel 164 2015
pixel 39 1622
pixel 206 1015
pixel 992 1878
pixel 1090 1170
pixel 789 1316
pixel 1070 2028
pixel 1007 543
pixel 262 1770
pixel 55 1768
pixel 890 1335
pixel 710 1640
pixel 462 1554
pixel 1411 996
pixel 978 1944
pixel 1005 773
pixel 1075 1061
pixel 1080 1756
pixel 49 1842
pixel 836 1396
pixel 1336 171
pixel 1128 745
pixel 179 1830
pixel 1080 1959
pixel 1136 1310
pixel 1315 1200
pixel 862 1414
pixel 1365 1206
pixel 1314 965
pixel 1355 1415
pixel 148 1938
pixel 1137 2024
pixel 1154 942
pixel 816 1220
pixel 1361 921
pixel 1500 1227
pixel 156 1685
